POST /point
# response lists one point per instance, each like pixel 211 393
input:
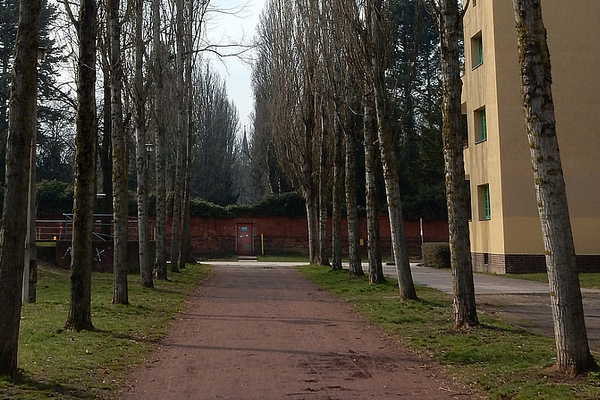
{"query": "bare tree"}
pixel 572 351
pixel 335 74
pixel 387 146
pixel 371 167
pixel 80 309
pixel 21 127
pixel 324 179
pixel 288 29
pixel 355 265
pixel 119 151
pixel 215 140
pixel 449 19
pixel 336 213
pixel 160 261
pixel 141 154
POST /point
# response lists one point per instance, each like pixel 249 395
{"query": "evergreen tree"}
pixel 53 161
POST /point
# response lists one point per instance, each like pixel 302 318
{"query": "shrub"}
pixel 284 205
pixel 436 255
pixel 54 198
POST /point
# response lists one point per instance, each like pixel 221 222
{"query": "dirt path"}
pixel 266 333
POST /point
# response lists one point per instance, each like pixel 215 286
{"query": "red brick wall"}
pixel 290 235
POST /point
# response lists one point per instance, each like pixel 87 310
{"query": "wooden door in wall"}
pixel 245 239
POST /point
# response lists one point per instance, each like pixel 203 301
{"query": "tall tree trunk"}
pixel 21 126
pixel 572 351
pixel 30 263
pixel 120 294
pixel 457 200
pixel 106 159
pixel 310 195
pixel 388 157
pixel 185 252
pixel 180 140
pixel 337 193
pixel 371 164
pixel 80 309
pixel 355 266
pixel 323 185
pixel 141 155
pixel 176 218
pixel 160 261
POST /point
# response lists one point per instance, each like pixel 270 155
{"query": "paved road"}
pixel 520 302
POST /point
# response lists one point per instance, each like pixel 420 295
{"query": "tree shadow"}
pixel 26 383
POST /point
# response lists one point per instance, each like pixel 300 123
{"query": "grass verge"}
pixel 588 280
pixel 496 359
pixel 60 364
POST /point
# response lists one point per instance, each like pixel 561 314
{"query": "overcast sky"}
pixel 223 28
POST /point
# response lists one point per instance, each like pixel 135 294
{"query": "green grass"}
pixel 60 364
pixel 495 359
pixel 586 280
pixel 299 258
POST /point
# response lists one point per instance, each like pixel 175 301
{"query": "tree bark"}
pixel 160 261
pixel 180 140
pixel 465 311
pixel 388 157
pixel 185 252
pixel 355 267
pixel 80 309
pixel 30 263
pixel 106 159
pixel 323 185
pixel 338 177
pixel 572 351
pixel 21 126
pixel 141 155
pixel 371 164
pixel 120 293
pixel 310 194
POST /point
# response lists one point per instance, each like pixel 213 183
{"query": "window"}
pixel 480 125
pixel 476 50
pixel 483 194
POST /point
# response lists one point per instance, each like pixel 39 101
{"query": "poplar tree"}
pixel 572 350
pixel 21 126
pixel 80 309
pixel 449 19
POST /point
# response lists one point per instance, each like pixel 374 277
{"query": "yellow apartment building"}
pixel 505 230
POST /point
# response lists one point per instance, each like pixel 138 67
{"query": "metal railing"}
pixel 47 230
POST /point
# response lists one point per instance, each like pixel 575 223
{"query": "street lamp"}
pixel 30 267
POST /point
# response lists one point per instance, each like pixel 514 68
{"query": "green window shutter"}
pixel 483 125
pixel 480 50
pixel 486 200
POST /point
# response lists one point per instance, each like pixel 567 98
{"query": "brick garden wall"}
pixel 290 235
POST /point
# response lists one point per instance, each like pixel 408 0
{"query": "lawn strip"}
pixel 60 364
pixel 588 280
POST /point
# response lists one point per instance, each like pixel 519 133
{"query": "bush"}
pixel 54 198
pixel 436 255
pixel 284 205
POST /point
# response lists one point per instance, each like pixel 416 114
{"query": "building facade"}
pixel 506 235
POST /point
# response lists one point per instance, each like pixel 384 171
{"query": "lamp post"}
pixel 30 270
